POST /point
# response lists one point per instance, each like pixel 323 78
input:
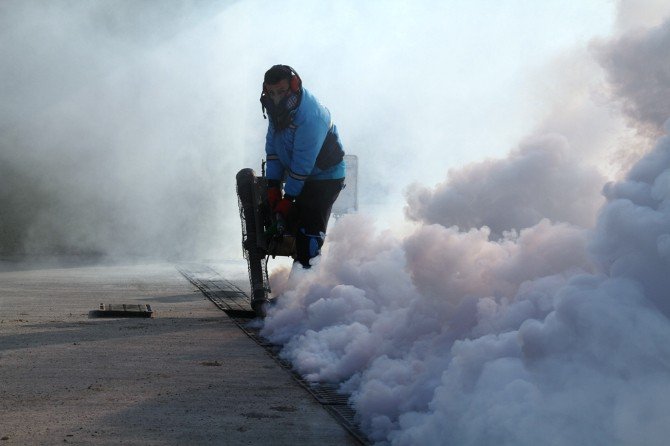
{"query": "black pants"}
pixel 310 219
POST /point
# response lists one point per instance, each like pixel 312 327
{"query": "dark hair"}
pixel 277 73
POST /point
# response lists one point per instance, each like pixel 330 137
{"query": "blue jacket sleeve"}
pixel 274 169
pixel 309 137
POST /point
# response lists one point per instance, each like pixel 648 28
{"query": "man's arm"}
pixel 274 169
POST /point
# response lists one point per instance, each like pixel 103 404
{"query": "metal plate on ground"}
pixel 123 310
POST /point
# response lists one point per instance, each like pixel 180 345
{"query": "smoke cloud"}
pixel 449 337
pixel 639 74
pixel 502 321
pixel 632 235
pixel 496 193
pixel 640 14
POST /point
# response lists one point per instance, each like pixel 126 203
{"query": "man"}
pixel 304 153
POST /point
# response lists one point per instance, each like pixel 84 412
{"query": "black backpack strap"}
pixel 331 152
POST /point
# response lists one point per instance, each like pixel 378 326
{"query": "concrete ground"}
pixel 186 376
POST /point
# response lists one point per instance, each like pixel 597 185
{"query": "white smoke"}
pixel 449 337
pixel 639 14
pixel 632 237
pixel 553 331
pixel 495 193
pixel 638 68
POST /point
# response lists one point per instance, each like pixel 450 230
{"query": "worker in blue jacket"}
pixel 304 153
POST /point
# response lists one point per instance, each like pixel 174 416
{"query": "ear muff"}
pixel 296 83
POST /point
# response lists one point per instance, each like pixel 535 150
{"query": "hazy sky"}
pixel 123 120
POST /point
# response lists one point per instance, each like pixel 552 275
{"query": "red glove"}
pixel 274 197
pixel 284 207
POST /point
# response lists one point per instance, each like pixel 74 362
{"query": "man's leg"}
pixel 314 205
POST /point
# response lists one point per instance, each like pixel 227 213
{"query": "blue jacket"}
pixel 291 153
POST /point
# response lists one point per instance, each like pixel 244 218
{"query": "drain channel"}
pixel 231 299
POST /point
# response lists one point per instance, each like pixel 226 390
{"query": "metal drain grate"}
pixel 327 394
pixel 122 310
pixel 223 293
pixel 229 298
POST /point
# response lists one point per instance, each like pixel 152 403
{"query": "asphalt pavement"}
pixel 188 375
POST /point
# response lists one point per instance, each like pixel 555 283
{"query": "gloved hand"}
pixel 284 207
pixel 274 197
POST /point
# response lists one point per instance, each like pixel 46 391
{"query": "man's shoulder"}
pixel 311 109
pixel 309 102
